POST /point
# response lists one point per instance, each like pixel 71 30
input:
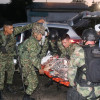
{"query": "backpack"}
pixel 92 65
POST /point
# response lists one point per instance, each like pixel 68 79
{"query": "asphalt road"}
pixel 53 92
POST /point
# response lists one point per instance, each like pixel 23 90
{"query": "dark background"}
pixel 14 12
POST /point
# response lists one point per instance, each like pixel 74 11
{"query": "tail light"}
pixel 78 41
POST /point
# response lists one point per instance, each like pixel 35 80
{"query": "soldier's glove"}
pixel 3 50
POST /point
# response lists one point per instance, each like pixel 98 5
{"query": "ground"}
pixel 41 93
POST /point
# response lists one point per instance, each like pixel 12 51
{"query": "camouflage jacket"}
pixel 31 50
pixel 9 41
pixel 77 59
pixel 56 48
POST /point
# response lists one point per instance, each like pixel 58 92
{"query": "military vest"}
pixel 92 66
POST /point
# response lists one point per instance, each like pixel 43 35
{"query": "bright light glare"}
pixel 98 6
pixel 5 1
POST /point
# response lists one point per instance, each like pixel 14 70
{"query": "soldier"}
pixel 29 52
pixel 80 76
pixel 53 44
pixel 7 52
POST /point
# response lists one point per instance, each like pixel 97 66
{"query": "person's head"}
pixel 97 29
pixel 8 28
pixel 89 37
pixel 37 31
pixel 53 35
pixel 65 39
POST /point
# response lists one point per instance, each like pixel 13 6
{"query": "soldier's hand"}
pixel 41 71
pixel 41 21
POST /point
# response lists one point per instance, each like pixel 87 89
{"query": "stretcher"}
pixel 55 78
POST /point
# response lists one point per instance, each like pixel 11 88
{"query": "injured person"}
pixel 57 67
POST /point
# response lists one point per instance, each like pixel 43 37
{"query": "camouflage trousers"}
pixel 30 76
pixel 6 64
pixel 85 91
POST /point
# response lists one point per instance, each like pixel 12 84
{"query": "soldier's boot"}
pixel 1 98
pixel 27 97
pixel 9 88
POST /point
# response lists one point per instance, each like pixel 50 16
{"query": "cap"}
pixel 38 28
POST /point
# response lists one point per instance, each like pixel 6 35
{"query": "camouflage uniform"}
pixel 29 56
pixel 56 48
pixel 77 59
pixel 6 60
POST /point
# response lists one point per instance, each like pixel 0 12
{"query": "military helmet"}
pixel 90 35
pixel 38 28
pixel 53 34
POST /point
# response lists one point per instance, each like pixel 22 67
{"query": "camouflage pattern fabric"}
pixel 29 74
pixel 77 59
pixel 6 65
pixel 9 41
pixel 29 59
pixel 38 29
pixel 54 50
